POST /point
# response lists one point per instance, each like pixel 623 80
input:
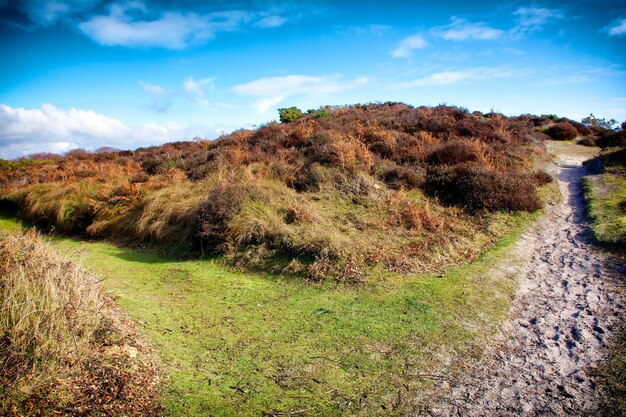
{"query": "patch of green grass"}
pixel 606 199
pixel 239 344
pixel 612 374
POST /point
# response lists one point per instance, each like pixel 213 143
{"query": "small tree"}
pixel 289 114
pixel 592 120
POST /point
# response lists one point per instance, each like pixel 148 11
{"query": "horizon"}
pixel 129 74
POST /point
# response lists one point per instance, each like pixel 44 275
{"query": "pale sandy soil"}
pixel 569 303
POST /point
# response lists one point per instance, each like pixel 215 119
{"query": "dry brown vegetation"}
pixel 65 349
pixel 368 186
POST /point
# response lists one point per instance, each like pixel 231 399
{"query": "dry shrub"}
pixel 541 178
pixel 562 131
pixel 61 352
pixel 611 138
pixel 458 151
pixel 410 214
pixel 475 188
pixel 397 176
pixel 588 141
pixel 222 203
pixel 310 177
pixel 295 213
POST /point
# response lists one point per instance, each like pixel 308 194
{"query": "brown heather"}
pixel 370 186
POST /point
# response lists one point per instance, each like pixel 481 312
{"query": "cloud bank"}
pixel 51 129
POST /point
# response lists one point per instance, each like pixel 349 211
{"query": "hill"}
pixel 336 193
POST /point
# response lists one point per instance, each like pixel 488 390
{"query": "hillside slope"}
pixel 337 193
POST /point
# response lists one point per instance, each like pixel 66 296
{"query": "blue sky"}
pixel 96 73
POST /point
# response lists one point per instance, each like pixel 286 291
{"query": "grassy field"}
pixel 234 343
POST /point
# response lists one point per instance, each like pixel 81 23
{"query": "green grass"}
pixel 606 199
pixel 239 344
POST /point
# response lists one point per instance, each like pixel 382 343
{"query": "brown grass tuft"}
pixel 63 349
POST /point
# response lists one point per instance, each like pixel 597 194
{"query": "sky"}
pixel 127 74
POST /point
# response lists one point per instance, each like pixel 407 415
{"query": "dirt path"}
pixel 567 305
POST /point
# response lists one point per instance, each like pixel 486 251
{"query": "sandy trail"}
pixel 567 306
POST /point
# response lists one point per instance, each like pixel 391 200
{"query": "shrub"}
pixel 223 202
pixel 562 131
pixel 473 187
pixel 588 141
pixel 289 114
pixel 542 178
pixel 610 138
pixel 397 176
pixel 457 151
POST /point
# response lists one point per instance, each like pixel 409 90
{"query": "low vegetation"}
pixel 334 193
pixel 65 348
pixel 251 344
pixel 606 197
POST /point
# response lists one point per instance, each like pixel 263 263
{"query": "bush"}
pixel 289 114
pixel 457 151
pixel 610 138
pixel 588 141
pixel 473 187
pixel 542 178
pixel 397 176
pixel 562 131
pixel 222 204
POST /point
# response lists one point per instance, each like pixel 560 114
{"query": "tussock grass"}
pixel 54 325
pixel 69 208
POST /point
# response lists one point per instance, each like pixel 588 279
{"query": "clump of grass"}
pixel 605 193
pixel 69 208
pixel 57 332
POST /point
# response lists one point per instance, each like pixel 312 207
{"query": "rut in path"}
pixel 567 305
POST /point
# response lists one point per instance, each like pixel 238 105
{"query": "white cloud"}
pixel 297 84
pixel 456 77
pixel 51 129
pixel 132 25
pixel 48 12
pixel 617 28
pixel 271 21
pixel 534 18
pixel 160 98
pixel 196 89
pixel 153 89
pixel 408 45
pixel 171 30
pixel 264 105
pixel 461 30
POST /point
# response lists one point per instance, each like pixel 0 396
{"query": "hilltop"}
pixel 334 193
